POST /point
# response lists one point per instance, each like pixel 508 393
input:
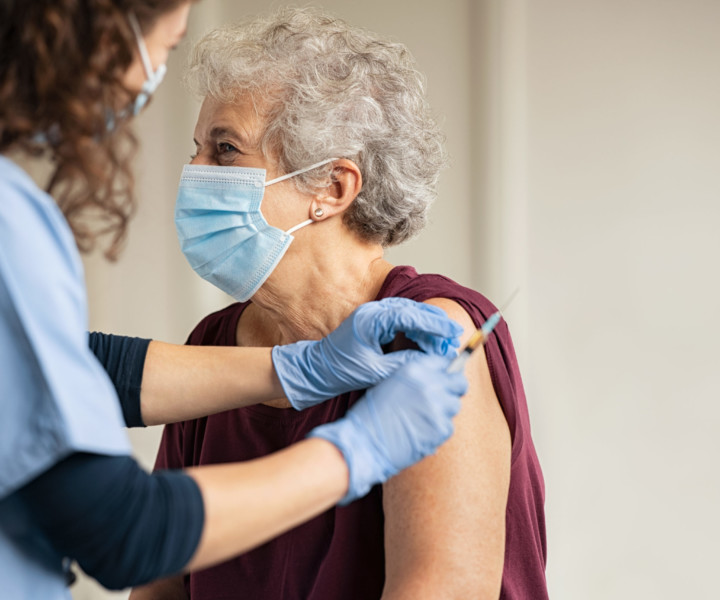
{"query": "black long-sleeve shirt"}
pixel 124 360
pixel 123 526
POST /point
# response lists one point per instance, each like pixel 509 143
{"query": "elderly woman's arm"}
pixel 445 516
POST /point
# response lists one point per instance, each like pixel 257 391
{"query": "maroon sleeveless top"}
pixel 339 555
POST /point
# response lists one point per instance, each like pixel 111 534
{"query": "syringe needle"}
pixel 480 336
pixel 508 302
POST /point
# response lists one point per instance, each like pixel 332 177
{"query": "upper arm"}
pixel 123 359
pixel 123 526
pixel 170 456
pixel 445 516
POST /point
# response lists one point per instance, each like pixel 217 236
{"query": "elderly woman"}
pixel 318 129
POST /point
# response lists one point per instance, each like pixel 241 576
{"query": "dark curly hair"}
pixel 62 64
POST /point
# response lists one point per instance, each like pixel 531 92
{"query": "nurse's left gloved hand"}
pixel 351 357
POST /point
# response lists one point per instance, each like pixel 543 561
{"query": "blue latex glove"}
pixel 397 422
pixel 350 358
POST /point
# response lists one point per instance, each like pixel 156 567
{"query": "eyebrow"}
pixel 223 131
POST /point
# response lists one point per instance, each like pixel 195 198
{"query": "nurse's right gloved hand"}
pixel 397 422
pixel 352 358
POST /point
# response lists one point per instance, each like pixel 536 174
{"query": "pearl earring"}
pixel 319 212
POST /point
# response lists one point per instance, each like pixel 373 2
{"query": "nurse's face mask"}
pixel 222 232
pixel 153 78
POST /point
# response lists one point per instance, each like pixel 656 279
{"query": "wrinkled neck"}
pixel 308 297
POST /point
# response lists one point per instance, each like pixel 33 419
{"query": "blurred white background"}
pixel 585 139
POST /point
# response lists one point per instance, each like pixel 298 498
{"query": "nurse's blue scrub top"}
pixel 55 398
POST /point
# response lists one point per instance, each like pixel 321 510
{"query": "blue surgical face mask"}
pixel 153 78
pixel 222 232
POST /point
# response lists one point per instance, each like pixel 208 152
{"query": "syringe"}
pixel 479 337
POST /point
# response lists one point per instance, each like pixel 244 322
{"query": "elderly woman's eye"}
pixel 224 148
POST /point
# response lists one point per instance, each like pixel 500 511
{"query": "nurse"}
pixel 72 74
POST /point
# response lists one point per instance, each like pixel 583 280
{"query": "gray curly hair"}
pixel 333 91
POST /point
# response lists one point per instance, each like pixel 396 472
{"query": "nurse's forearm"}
pixel 160 383
pixel 187 382
pixel 247 504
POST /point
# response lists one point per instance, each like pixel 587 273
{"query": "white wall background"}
pixel 585 139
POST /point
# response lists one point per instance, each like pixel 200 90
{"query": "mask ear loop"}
pixel 305 170
pixel 288 176
pixel 300 226
pixel 144 56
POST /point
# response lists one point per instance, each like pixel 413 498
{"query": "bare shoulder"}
pixel 455 312
pixel 446 515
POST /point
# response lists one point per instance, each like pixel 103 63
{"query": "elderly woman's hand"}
pixel 351 357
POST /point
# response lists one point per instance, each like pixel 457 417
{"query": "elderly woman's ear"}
pixel 338 196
